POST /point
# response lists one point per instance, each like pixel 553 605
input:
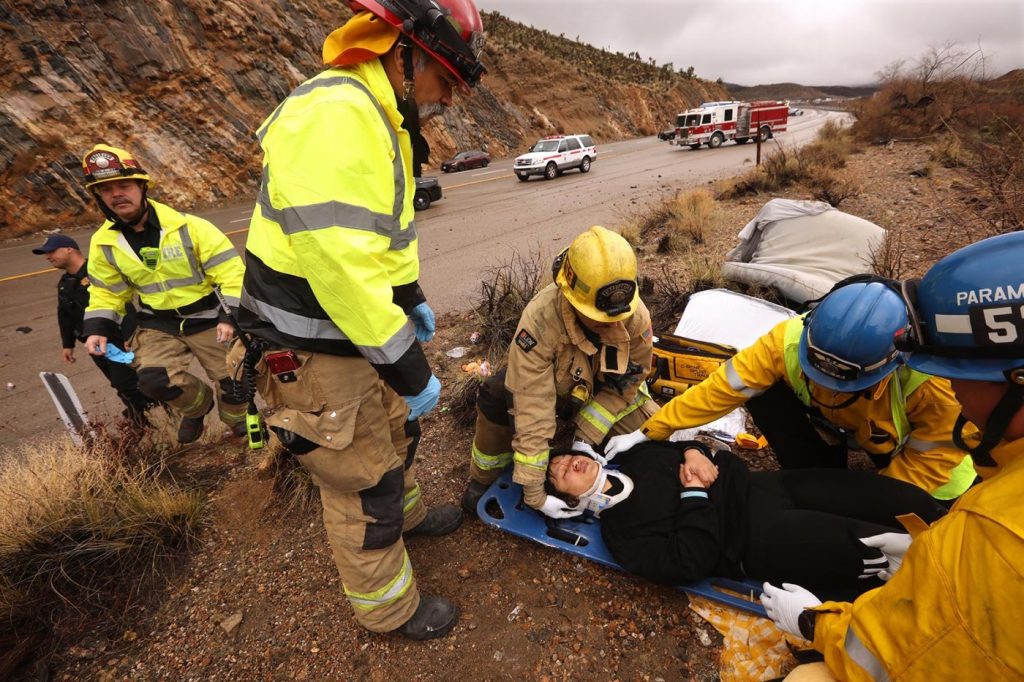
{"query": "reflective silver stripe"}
pixel 335 213
pixel 222 257
pixel 927 445
pixel 103 315
pixel 398 587
pixel 197 273
pixel 304 327
pixel 591 414
pixel 203 314
pixel 115 288
pixel 860 655
pixel 737 384
pixel 290 323
pixel 108 253
pixel 148 288
pixel 232 301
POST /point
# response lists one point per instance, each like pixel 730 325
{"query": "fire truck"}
pixel 713 123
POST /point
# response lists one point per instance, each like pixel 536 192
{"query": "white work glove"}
pixel 556 508
pixel 784 605
pixel 893 546
pixel 618 444
pixel 587 448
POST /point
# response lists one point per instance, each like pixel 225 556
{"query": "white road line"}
pixel 496 170
pixel 241 220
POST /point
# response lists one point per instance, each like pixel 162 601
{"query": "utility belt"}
pixel 679 363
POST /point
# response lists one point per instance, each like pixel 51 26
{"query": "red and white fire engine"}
pixel 713 123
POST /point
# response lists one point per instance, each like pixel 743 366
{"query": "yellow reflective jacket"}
pixel 551 358
pixel 331 258
pixel 193 256
pixel 919 440
pixel 952 611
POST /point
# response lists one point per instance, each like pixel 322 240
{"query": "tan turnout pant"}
pixel 358 447
pixel 162 361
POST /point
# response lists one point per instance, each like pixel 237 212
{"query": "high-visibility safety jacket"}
pixel 952 611
pixel 910 416
pixel 194 256
pixel 331 259
pixel 551 358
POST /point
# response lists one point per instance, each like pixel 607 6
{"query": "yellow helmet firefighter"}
pixel 104 163
pixel 597 274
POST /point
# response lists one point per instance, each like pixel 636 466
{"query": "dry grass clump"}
pixel 293 488
pixel 827 185
pixel 888 256
pixel 461 402
pixel 504 292
pixel 679 222
pixel 77 525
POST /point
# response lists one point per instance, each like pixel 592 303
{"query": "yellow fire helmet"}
pixel 104 163
pixel 597 273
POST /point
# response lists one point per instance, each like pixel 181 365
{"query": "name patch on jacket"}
pixel 525 341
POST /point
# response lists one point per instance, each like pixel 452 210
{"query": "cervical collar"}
pixel 595 501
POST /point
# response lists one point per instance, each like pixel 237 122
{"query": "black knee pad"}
pixel 383 503
pixel 155 384
pixel 293 442
pixel 231 391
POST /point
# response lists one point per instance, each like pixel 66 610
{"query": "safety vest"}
pixel 904 381
pixel 192 256
pixel 332 261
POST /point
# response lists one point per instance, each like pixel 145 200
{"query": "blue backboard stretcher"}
pixel 502 507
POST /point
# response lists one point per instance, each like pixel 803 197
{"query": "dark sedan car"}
pixel 464 160
pixel 428 190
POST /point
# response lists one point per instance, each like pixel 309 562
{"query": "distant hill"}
pixel 797 92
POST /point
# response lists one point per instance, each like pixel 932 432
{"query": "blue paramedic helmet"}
pixel 967 312
pixel 847 341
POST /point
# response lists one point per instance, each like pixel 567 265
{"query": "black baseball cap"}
pixel 54 242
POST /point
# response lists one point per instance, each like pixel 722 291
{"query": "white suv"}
pixel 554 154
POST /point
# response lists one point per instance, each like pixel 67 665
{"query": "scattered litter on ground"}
pixel 23 330
pixel 456 352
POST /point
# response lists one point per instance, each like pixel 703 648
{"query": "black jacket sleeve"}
pixel 686 554
pixel 66 323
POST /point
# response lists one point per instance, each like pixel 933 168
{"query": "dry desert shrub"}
pixel 680 222
pixel 887 257
pixel 504 292
pixel 78 525
pixel 827 185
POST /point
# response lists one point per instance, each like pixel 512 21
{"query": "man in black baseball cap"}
pixel 72 298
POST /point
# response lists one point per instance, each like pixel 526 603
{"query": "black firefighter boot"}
pixel 434 617
pixel 438 521
pixel 474 491
pixel 192 427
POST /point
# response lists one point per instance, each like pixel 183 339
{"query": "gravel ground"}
pixel 262 599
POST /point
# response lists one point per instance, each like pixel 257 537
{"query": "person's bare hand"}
pixel 69 355
pixel 697 466
pixel 689 479
pixel 225 332
pixel 96 345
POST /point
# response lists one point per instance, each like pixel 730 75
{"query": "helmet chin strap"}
pixel 1005 410
pixel 595 500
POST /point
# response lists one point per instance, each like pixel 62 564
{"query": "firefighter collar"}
pixel 613 348
pixel 595 500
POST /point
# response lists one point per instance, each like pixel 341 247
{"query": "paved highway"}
pixel 485 216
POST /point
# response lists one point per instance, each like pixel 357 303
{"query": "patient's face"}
pixel 573 474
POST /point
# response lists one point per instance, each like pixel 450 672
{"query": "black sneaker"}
pixel 192 427
pixel 438 521
pixel 474 491
pixel 434 617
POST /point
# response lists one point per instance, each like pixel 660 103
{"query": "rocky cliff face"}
pixel 185 83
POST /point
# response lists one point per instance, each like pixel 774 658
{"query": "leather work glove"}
pixel 618 444
pixel 425 400
pixel 423 319
pixel 587 448
pixel 784 605
pixel 556 508
pixel 893 546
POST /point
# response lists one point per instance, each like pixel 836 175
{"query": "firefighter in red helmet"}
pixel 331 291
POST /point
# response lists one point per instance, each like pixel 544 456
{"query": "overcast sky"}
pixel 812 42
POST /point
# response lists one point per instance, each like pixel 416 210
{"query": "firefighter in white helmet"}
pixel 582 350
pixel 172 261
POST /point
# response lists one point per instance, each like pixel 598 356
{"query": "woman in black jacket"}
pixel 676 513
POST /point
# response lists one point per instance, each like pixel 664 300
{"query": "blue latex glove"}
pixel 115 354
pixel 425 400
pixel 423 318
